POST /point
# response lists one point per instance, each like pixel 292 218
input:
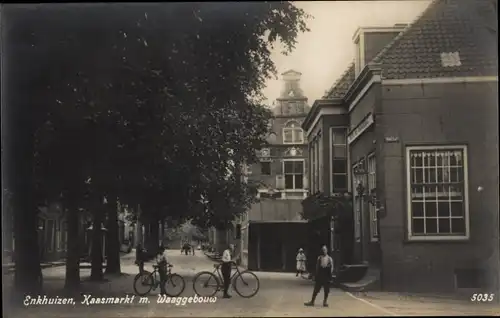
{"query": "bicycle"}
pixel 151 281
pixel 210 279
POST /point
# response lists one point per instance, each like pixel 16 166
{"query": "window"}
pixel 292 133
pixel 437 192
pixel 356 203
pixel 372 188
pixel 294 174
pixel 58 235
pixel 265 168
pixel 50 234
pixel 313 167
pixel 64 234
pixel 339 178
pixel 316 154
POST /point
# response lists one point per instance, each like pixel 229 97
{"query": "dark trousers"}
pixel 322 280
pixel 226 276
pixel 141 267
pixel 163 280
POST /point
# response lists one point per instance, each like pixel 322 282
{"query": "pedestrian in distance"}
pixel 226 267
pixel 161 260
pixel 301 262
pixel 324 272
pixel 186 248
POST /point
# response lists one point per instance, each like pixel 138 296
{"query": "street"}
pixel 280 294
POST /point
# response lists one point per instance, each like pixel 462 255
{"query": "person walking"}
pixel 226 267
pixel 324 272
pixel 301 262
pixel 161 260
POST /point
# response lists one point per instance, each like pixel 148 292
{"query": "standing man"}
pixel 161 260
pixel 140 258
pixel 324 272
pixel 227 263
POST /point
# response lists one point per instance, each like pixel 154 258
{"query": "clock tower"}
pixel 292 101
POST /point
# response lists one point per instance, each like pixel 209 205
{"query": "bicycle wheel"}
pixel 206 284
pixel 246 284
pixel 143 283
pixel 174 285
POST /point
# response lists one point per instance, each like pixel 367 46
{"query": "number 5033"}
pixel 482 297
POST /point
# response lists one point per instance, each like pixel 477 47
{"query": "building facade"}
pixel 283 174
pixel 422 149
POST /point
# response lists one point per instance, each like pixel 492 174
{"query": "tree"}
pixel 154 95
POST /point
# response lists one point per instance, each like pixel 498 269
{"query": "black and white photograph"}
pixel 250 159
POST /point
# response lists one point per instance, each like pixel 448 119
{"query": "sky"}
pixel 324 53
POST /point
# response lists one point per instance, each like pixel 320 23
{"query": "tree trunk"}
pixel 96 256
pixel 162 232
pixel 113 242
pixel 155 234
pixel 73 250
pixel 139 233
pixel 26 250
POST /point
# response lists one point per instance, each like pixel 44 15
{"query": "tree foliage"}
pixel 319 205
pixel 149 103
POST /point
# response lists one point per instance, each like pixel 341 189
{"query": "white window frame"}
pixel 332 134
pixel 412 237
pixel 355 204
pixel 293 126
pixel 284 174
pixel 371 164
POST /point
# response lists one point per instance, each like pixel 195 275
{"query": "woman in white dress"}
pixel 301 262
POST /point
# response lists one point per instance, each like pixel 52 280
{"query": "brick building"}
pixel 282 170
pixel 420 106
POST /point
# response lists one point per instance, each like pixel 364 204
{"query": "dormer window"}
pixel 293 133
pixel 370 41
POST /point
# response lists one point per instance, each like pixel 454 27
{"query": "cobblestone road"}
pixel 280 295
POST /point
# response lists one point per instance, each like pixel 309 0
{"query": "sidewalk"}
pixel 10 267
pixel 410 304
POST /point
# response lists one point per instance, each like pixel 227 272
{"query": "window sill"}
pixel 437 239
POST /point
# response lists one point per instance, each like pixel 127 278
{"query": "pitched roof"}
pixel 466 27
pixel 341 86
pixel 446 26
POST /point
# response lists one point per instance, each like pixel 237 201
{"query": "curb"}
pixel 368 286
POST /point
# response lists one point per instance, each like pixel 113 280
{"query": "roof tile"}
pixel 446 26
pixel 341 86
